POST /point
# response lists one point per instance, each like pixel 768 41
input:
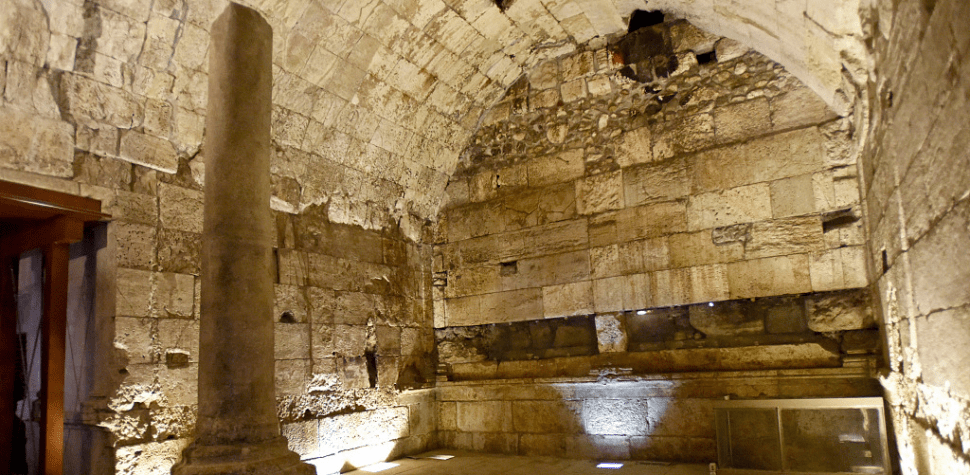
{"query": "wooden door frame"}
pixel 34 218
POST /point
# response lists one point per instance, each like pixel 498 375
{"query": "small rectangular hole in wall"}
pixel 885 261
pixel 509 268
pixel 705 58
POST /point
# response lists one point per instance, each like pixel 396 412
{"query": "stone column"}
pixel 238 429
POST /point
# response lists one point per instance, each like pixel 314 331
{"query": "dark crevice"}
pixel 642 19
pixel 371 357
pixel 706 58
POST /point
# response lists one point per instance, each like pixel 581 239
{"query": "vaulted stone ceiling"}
pixel 375 99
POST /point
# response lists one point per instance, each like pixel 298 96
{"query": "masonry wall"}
pixel 107 100
pixel 595 188
pixel 662 417
pixel 644 213
pixel 916 186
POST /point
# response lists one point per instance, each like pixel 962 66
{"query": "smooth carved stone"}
pixel 238 430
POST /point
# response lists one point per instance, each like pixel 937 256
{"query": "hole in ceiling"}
pixel 705 58
pixel 643 19
pixel 503 4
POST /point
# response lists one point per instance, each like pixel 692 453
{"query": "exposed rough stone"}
pixel 610 333
pixel 846 310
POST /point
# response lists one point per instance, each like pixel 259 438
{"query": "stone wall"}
pixel 916 187
pixel 107 100
pixel 598 186
pixel 664 417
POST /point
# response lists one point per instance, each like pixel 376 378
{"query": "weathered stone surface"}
pixel 35 144
pixel 567 300
pixel 663 181
pixel 725 319
pixel 610 333
pixel 763 159
pixel 769 276
pixel 737 205
pixel 847 310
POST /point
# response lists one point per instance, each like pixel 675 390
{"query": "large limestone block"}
pixel 709 283
pixel 698 248
pixel 563 236
pixel 607 416
pixel 939 263
pixel 671 287
pixel 725 319
pixel 636 147
pixel 180 208
pixel 610 333
pixel 793 196
pixel 744 204
pixel 764 159
pixel 510 306
pixel 174 295
pixel 839 311
pixel 567 299
pixel 769 276
pixel 599 193
pixel 664 181
pixel 608 294
pixel 543 417
pixel 147 150
pixel 741 121
pixel 798 108
pixel 546 270
pixel 559 168
pixel 134 293
pixel 473 281
pixel 485 416
pixel 35 144
pixel 651 220
pixel 940 335
pixel 682 135
pixel 784 236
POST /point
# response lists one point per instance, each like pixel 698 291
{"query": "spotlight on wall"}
pixel 641 312
pixel 710 304
pixel 612 465
pixel 379 467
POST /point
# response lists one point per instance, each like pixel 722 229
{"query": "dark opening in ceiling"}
pixel 642 19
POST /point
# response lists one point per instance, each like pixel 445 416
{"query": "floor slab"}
pixel 470 463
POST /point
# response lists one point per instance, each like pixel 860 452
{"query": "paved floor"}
pixel 467 463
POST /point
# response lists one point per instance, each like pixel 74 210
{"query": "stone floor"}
pixel 468 463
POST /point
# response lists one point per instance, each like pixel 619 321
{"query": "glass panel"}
pixel 832 440
pixel 752 439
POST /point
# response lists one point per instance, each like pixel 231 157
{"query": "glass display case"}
pixel 802 436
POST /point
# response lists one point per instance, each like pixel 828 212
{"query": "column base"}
pixel 268 458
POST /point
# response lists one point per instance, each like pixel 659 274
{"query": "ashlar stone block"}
pixel 599 193
pixel 608 294
pixel 567 299
pixel 559 168
pixel 484 416
pixel 636 147
pixel 610 333
pixel 698 248
pixel 769 276
pixel 784 236
pixel 793 196
pixel 742 120
pixel 665 181
pixel 763 159
pixel 744 204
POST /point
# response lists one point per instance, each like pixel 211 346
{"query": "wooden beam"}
pixel 59 230
pixel 8 358
pixel 56 201
pixel 53 330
